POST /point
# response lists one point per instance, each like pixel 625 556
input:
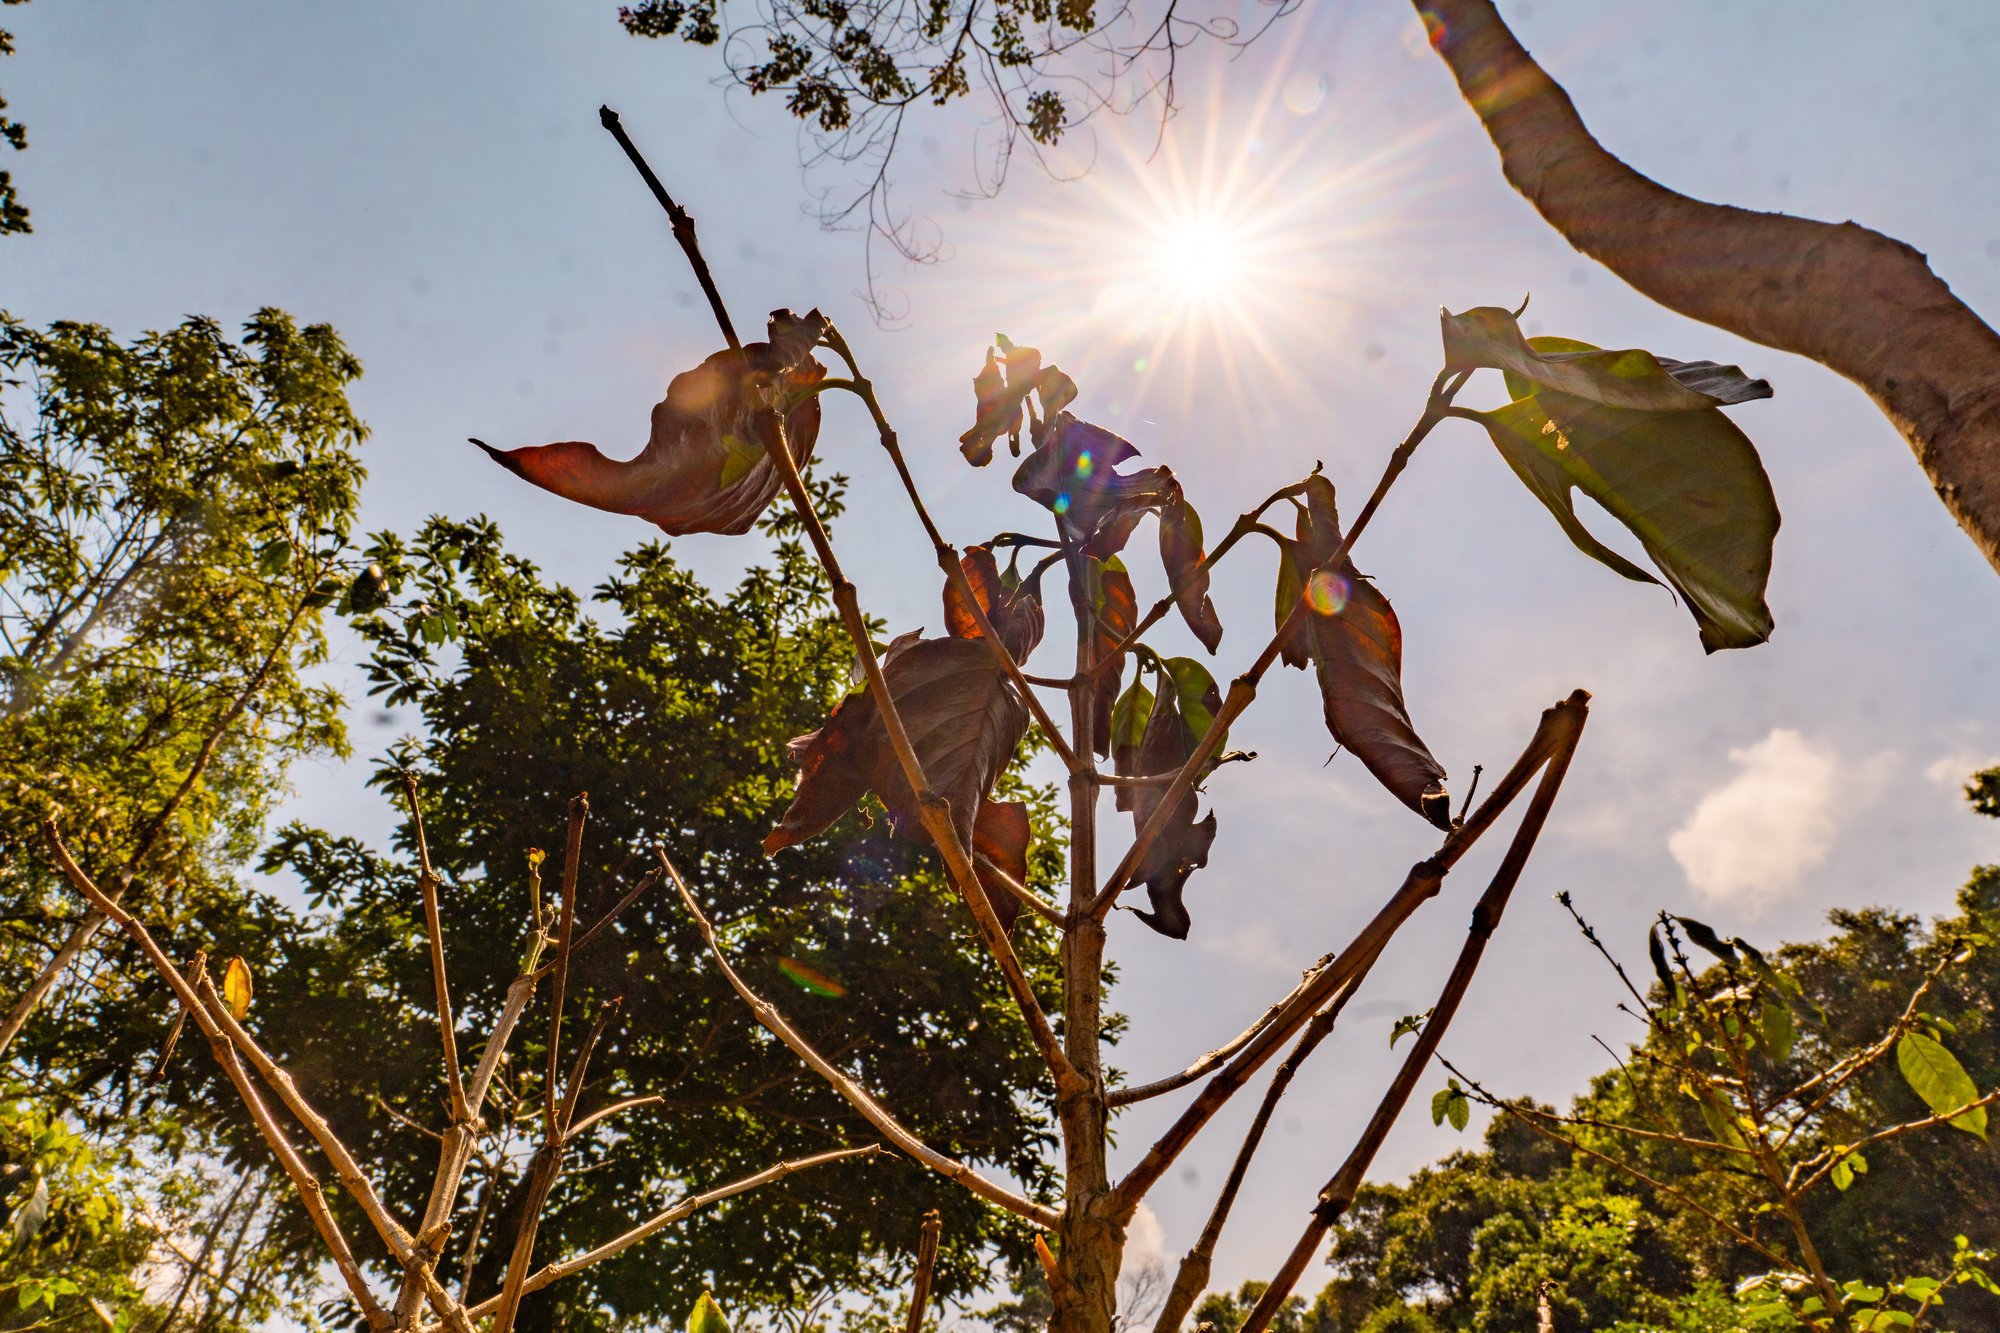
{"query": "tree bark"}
pixel 1856 301
pixel 1093 1235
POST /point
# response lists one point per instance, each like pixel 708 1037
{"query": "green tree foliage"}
pixel 670 705
pixel 174 510
pixel 1470 1239
pixel 13 213
pixel 69 1239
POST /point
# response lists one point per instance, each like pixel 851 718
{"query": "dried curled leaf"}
pixel 1073 473
pixel 1356 646
pixel 1172 727
pixel 1002 388
pixel 1181 555
pixel 963 719
pixel 1115 609
pixel 706 466
pixel 1012 607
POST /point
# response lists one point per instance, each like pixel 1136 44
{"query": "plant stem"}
pixel 947 557
pixel 1093 1236
pixel 682 222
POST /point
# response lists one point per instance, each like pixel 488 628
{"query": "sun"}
pixel 1242 262
pixel 1199 257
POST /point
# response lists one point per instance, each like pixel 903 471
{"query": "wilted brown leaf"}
pixel 1357 649
pixel 705 467
pixel 1013 608
pixel 1181 554
pixel 1174 724
pixel 964 721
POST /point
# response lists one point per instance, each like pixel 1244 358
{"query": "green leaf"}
pixel 274 558
pixel 1449 1103
pixel 1688 485
pixel 1128 727
pixel 1488 336
pixel 1405 1025
pixel 1706 937
pixel 1657 952
pixel 1847 1168
pixel 1935 1075
pixel 1722 1126
pixel 1774 1020
pixel 707 1317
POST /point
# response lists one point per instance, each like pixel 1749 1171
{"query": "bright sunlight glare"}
pixel 1200 257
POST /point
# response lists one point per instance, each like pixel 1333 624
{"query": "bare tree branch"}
pixel 871 1110
pixel 660 1221
pixel 1339 1192
pixel 1858 302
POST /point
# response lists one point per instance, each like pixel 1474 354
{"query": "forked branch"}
pixel 1338 1195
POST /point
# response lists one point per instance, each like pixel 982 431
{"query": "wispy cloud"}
pixel 1750 842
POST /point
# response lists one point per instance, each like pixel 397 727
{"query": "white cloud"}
pixel 1145 1242
pixel 1953 771
pixel 1751 841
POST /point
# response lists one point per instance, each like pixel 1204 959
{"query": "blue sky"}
pixel 431 180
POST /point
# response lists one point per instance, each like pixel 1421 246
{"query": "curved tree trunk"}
pixel 1856 301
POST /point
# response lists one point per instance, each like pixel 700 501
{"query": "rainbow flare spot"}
pixel 1326 592
pixel 810 979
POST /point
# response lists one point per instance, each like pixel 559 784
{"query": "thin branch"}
pixel 1033 901
pixel 920 1287
pixel 1528 1117
pixel 1838 1075
pixel 660 1221
pixel 855 1096
pixel 547 1164
pixel 427 885
pixel 1894 1131
pixel 605 1113
pixel 1568 905
pixel 579 810
pixel 933 810
pixel 1214 1058
pixel 646 881
pixel 947 557
pixel 1246 523
pixel 311 1194
pixel 683 225
pixel 197 969
pixel 221 1031
pixel 1339 1192
pixel 1192 1277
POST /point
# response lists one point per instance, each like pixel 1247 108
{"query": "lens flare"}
pixel 810 979
pixel 1326 592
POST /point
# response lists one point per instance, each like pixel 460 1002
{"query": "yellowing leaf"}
pixel 236 989
pixel 707 1317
